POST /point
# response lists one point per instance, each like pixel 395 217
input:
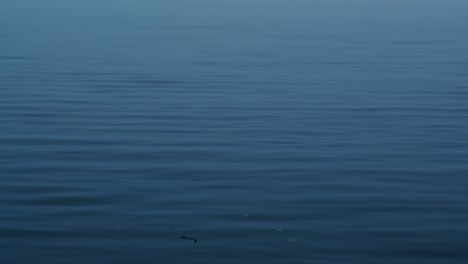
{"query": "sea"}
pixel 234 131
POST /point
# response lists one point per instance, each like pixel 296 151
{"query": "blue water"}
pixel 271 131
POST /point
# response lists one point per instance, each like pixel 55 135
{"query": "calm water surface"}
pixel 272 131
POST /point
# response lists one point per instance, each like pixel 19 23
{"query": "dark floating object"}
pixel 189 238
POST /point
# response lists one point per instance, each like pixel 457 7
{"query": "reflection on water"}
pixel 279 132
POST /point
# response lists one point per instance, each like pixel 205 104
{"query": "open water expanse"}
pixel 271 131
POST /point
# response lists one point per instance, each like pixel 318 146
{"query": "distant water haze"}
pixel 218 131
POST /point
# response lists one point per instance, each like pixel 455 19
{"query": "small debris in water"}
pixel 292 240
pixel 279 229
pixel 189 238
pixel 246 214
